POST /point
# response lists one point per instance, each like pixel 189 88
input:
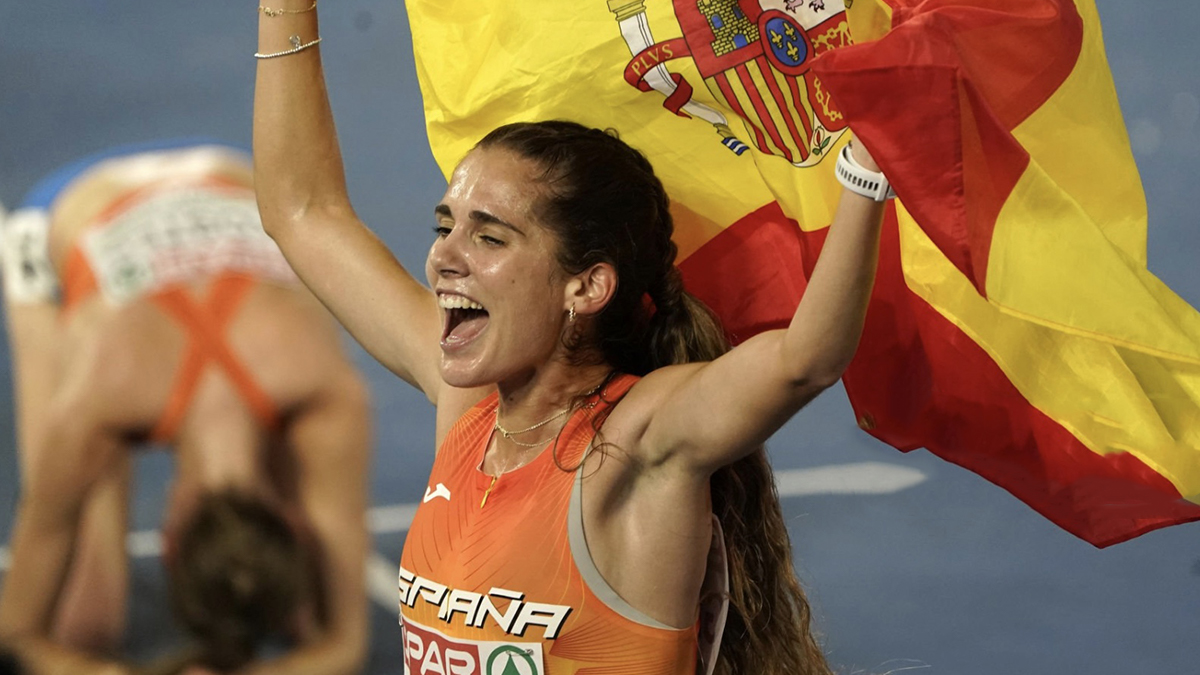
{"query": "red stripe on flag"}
pixel 962 78
pixel 794 86
pixel 919 381
pixel 722 81
pixel 1017 57
pixel 760 108
pixel 768 74
pixel 762 252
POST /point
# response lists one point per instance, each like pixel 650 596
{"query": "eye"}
pixel 441 231
pixel 490 241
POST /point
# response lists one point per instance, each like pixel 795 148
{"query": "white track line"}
pixel 861 478
pixel 383 582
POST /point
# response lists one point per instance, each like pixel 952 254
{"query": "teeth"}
pixel 457 302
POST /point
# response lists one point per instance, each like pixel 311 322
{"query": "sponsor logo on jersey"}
pixel 471 609
pixel 430 652
pixel 433 493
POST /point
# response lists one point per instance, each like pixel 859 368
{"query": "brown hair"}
pixel 238 578
pixel 605 204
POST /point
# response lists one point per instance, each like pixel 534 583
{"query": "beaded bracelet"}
pixel 296 47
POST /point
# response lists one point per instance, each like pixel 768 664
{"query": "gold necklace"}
pixel 509 435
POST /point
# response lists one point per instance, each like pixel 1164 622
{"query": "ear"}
pixel 590 291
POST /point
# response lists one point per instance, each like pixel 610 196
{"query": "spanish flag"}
pixel 1014 328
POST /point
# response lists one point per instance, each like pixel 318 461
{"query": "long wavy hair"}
pixel 605 204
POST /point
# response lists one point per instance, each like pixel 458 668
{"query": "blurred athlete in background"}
pixel 145 305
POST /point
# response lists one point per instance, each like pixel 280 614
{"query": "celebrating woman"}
pixel 590 419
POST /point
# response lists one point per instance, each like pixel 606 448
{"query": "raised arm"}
pixel 304 204
pixel 708 415
pixel 331 439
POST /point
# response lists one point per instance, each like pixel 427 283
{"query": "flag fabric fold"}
pixel 1014 328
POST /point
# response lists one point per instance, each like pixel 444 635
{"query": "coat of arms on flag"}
pixel 755 58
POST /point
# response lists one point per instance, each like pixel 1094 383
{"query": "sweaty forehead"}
pixel 495 179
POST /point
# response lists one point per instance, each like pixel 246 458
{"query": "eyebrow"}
pixel 480 217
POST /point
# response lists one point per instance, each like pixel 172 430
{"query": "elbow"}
pixel 826 379
pixel 289 217
pixel 816 374
pixel 277 220
pixel 825 375
pixel 815 381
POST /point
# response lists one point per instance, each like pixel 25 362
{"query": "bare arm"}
pixel 305 207
pixel 48 510
pixel 52 498
pixel 38 656
pixel 54 489
pixel 709 415
pixel 31 314
pixel 331 438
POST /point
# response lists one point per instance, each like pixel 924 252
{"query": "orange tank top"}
pixel 497 588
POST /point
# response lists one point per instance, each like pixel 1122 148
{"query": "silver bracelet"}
pixel 296 47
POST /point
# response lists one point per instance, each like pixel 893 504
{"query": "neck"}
pixel 223 456
pixel 550 390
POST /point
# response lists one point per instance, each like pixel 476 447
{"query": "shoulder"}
pixel 635 413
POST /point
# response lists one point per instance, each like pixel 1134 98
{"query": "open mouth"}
pixel 464 319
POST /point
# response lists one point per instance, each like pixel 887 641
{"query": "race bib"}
pixel 179 236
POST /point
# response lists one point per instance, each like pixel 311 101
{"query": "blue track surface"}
pixel 951 576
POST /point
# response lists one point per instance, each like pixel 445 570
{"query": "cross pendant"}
pixel 488 491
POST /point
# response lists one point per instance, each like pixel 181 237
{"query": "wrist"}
pixel 861 180
pixel 859 153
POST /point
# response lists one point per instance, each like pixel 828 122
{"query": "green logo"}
pixel 516 655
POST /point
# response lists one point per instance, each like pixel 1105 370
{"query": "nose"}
pixel 446 255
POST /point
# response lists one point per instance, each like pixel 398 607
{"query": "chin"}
pixel 462 375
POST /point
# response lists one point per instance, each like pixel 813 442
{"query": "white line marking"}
pixel 383 582
pixel 391 519
pixel 144 544
pixel 862 478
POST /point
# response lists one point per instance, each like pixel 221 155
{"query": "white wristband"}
pixel 870 184
pixel 24 252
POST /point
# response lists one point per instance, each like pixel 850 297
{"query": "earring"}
pixel 571 314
